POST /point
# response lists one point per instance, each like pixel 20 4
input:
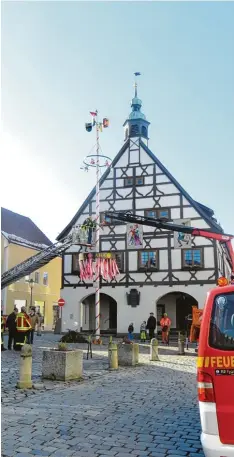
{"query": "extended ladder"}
pixel 78 237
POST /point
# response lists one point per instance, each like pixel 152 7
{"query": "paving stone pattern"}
pixel 147 411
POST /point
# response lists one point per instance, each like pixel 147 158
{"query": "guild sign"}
pixel 133 298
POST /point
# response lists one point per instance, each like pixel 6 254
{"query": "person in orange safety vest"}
pixel 23 327
pixel 165 323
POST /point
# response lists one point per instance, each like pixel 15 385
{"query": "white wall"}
pixel 125 314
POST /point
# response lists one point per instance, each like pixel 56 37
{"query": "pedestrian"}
pixel 2 332
pixel 130 331
pixel 23 327
pixel 151 326
pixel 33 319
pixel 165 323
pixel 143 331
pixel 11 325
pixel 39 323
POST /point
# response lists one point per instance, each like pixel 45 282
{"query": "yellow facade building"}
pixel 21 239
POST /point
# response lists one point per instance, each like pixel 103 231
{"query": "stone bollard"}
pixel 25 379
pixel 154 350
pixel 113 356
pixel 181 342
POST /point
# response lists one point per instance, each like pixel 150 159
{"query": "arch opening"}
pixel 108 311
pixel 178 305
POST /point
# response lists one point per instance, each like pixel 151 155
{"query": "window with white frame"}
pixel 37 277
pixel 45 279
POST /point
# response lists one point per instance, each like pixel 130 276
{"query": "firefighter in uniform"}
pixel 23 327
pixel 2 331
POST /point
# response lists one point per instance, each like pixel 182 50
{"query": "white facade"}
pixel 158 192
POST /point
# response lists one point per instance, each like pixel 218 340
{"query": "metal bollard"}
pixel 154 350
pixel 113 356
pixel 181 342
pixel 25 379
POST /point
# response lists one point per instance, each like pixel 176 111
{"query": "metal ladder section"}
pixel 35 262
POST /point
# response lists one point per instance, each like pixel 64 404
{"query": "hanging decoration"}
pixel 92 160
pixel 89 126
pixel 105 122
pixel 182 240
pixel 102 265
pixel 134 236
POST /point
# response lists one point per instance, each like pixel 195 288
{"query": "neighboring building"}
pixel 21 239
pixel 158 277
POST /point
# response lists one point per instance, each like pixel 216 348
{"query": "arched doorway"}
pixel 108 311
pixel 178 305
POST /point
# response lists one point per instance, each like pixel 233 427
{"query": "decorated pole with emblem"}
pixel 93 160
pixel 97 279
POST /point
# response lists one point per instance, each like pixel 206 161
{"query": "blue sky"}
pixel 62 59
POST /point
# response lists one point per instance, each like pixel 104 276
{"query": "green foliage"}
pixel 73 337
pixel 62 347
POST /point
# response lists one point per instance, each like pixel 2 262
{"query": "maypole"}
pixel 93 160
pixel 97 279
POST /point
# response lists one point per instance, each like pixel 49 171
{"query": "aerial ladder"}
pixel 80 236
pixel 160 223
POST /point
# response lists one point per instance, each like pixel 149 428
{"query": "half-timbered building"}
pixel 160 277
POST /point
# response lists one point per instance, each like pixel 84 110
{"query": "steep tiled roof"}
pixel 22 227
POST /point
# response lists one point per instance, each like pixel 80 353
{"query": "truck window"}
pixel 221 334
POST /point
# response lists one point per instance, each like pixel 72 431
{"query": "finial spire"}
pixel 135 84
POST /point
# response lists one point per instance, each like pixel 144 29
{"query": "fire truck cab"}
pixel 215 373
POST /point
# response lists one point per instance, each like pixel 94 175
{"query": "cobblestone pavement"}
pixel 146 411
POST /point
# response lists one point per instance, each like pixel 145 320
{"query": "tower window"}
pixel 134 130
pixel 144 131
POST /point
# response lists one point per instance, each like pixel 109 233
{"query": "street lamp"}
pixel 31 285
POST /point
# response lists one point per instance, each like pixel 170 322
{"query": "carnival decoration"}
pixel 100 265
pixel 134 236
pixel 182 240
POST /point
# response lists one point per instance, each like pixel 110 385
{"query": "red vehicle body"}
pixel 216 373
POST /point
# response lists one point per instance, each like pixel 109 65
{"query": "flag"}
pixel 93 113
pixel 137 73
